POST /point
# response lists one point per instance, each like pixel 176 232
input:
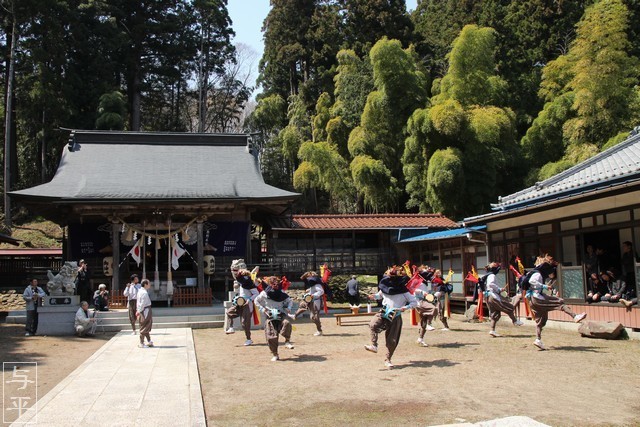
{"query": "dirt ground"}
pixel 57 357
pixel 464 375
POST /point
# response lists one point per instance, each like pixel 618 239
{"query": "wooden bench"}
pixel 340 316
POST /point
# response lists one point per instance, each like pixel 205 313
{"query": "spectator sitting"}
pixel 615 288
pixel 597 289
pixel 101 298
pixel 85 322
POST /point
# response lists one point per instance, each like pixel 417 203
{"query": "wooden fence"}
pixel 192 297
pixel 117 300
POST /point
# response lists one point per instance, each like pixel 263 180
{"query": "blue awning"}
pixel 446 234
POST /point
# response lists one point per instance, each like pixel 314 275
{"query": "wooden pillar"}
pixel 115 244
pixel 353 250
pixel 315 263
pixel 200 256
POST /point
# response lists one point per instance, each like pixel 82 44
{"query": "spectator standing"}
pixel 353 294
pixel 591 261
pixel 131 292
pixel 85 322
pixel 82 282
pixel 143 310
pixel 33 296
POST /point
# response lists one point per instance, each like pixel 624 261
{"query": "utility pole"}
pixel 8 112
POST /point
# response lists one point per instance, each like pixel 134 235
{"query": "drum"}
pixel 239 301
pixel 548 291
pixel 273 314
pixel 504 294
pixel 429 298
pixel 308 298
pixel 389 313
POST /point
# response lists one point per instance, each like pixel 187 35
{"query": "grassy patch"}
pixel 37 233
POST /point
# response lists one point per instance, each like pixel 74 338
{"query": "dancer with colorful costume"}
pixel 426 308
pixel 246 292
pixel 276 305
pixel 313 299
pixel 542 303
pixel 498 300
pixel 396 298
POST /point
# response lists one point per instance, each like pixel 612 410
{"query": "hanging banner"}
pixel 87 241
pixel 227 238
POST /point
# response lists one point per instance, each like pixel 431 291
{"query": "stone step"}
pixel 164 319
pixel 116 327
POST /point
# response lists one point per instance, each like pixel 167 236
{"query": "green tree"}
pixel 286 61
pixel 590 92
pixel 112 110
pixel 461 151
pixel 376 145
pixel 367 21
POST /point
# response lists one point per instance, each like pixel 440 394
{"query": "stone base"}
pixel 606 330
pixel 57 320
pixel 61 300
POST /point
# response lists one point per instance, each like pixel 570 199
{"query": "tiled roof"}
pixel 371 221
pixel 140 166
pixel 619 164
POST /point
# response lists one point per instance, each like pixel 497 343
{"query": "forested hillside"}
pixel 363 106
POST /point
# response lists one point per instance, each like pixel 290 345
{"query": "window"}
pixel 570 225
pixel 569 250
pixel 512 235
pixel 615 217
pixel 545 229
pixel 587 222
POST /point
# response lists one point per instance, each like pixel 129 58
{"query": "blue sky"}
pixel 248 15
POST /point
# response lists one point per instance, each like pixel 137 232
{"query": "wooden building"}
pixel 167 206
pixel 596 202
pixel 350 244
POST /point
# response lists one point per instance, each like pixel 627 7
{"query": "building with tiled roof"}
pixel 595 205
pixel 118 191
pixel 362 222
pixel 359 243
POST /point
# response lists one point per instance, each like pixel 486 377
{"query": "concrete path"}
pixel 123 385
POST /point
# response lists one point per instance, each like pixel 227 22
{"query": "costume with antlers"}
pixel 497 302
pixel 542 303
pixel 276 305
pixel 426 308
pixel 441 289
pixel 246 292
pixel 396 298
pixel 312 299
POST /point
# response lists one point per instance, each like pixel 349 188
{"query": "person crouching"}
pixel 276 305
